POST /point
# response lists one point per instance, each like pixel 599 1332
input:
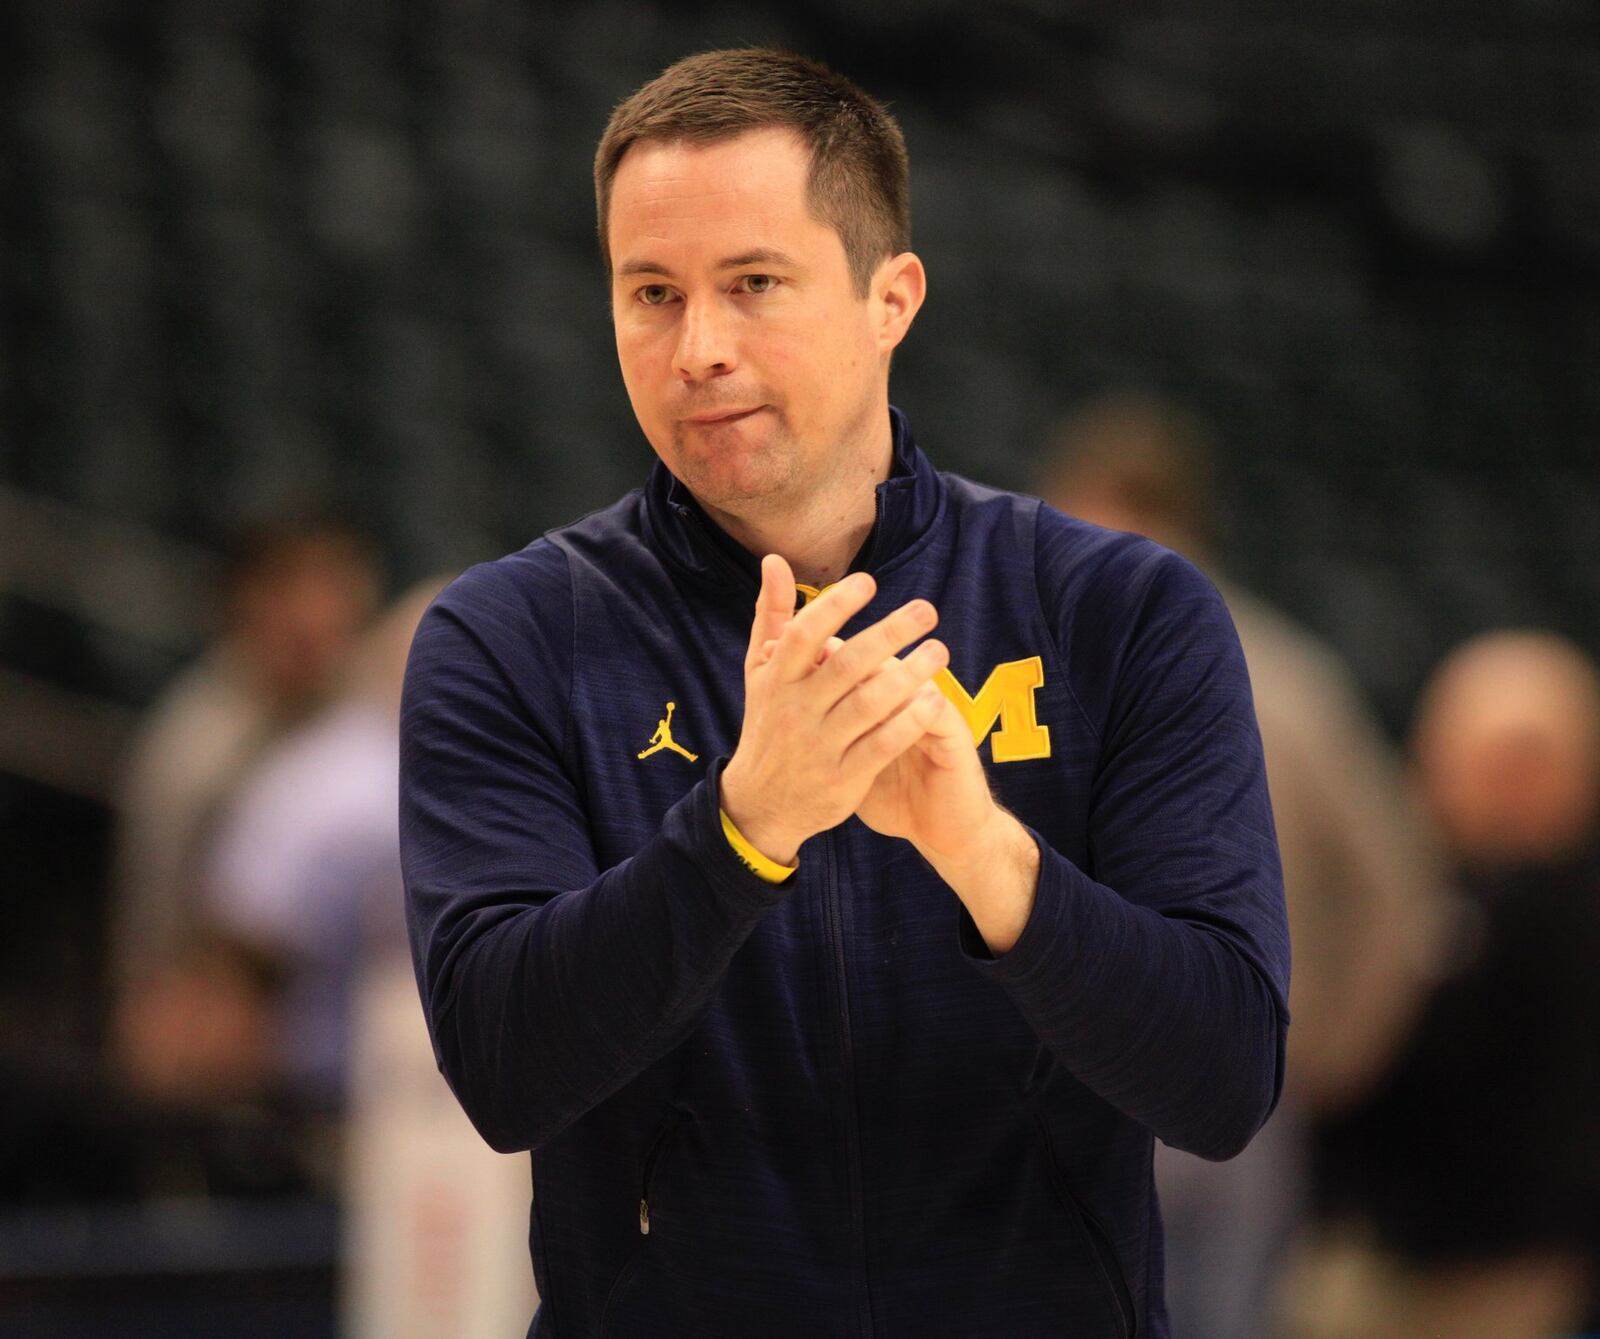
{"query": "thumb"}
pixel 947 740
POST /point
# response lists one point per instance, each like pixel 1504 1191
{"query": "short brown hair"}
pixel 860 179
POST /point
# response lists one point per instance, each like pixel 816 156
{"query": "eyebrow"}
pixel 761 255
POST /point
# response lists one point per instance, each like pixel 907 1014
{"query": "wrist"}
pixel 996 877
pixel 769 836
pixel 752 858
pixel 998 840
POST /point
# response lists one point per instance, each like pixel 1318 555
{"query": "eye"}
pixel 758 283
pixel 654 295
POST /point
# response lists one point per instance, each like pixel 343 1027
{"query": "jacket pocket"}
pixel 1095 1240
pixel 632 1308
pixel 652 1161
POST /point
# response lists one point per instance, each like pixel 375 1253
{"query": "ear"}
pixel 898 288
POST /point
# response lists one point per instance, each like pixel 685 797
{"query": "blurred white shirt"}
pixel 306 865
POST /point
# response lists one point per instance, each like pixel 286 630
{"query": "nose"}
pixel 705 341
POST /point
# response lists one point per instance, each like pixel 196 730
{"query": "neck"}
pixel 818 546
pixel 819 533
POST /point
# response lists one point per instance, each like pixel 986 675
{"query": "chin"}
pixel 741 474
pixel 736 488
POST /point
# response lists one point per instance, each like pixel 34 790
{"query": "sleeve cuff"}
pixel 758 864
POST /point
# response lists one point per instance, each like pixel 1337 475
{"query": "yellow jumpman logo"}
pixel 662 739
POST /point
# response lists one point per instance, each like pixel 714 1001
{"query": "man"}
pixel 299 591
pixel 1465 1191
pixel 185 1013
pixel 1364 887
pixel 837 1030
pixel 1507 752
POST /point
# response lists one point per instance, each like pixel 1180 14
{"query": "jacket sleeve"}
pixel 547 982
pixel 1158 976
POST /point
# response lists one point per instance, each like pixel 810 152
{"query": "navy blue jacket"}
pixel 823 1107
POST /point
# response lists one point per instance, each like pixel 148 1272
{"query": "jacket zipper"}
pixel 650 1161
pixel 852 1117
pixel 1099 1244
pixel 877 530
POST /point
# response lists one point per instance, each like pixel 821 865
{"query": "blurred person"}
pixel 806 1031
pixel 1361 876
pixel 1466 1189
pixel 297 596
pixel 1507 751
pixel 185 1103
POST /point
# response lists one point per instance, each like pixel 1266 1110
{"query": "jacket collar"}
pixel 908 502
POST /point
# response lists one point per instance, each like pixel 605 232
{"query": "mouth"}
pixel 719 418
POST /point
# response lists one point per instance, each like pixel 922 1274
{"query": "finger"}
pixel 828 648
pixel 880 746
pixel 947 738
pixel 767 649
pixel 878 697
pixel 804 637
pixel 774 606
pixel 862 654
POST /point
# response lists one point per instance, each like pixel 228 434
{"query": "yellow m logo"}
pixel 1007 697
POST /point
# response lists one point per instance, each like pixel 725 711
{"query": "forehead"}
pixel 747 191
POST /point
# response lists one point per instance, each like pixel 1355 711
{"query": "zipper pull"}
pixel 644 1218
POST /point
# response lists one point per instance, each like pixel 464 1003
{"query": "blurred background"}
pixel 301 314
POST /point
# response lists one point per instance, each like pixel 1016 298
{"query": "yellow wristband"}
pixel 770 870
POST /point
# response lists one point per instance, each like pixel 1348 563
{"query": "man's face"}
pixel 755 371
